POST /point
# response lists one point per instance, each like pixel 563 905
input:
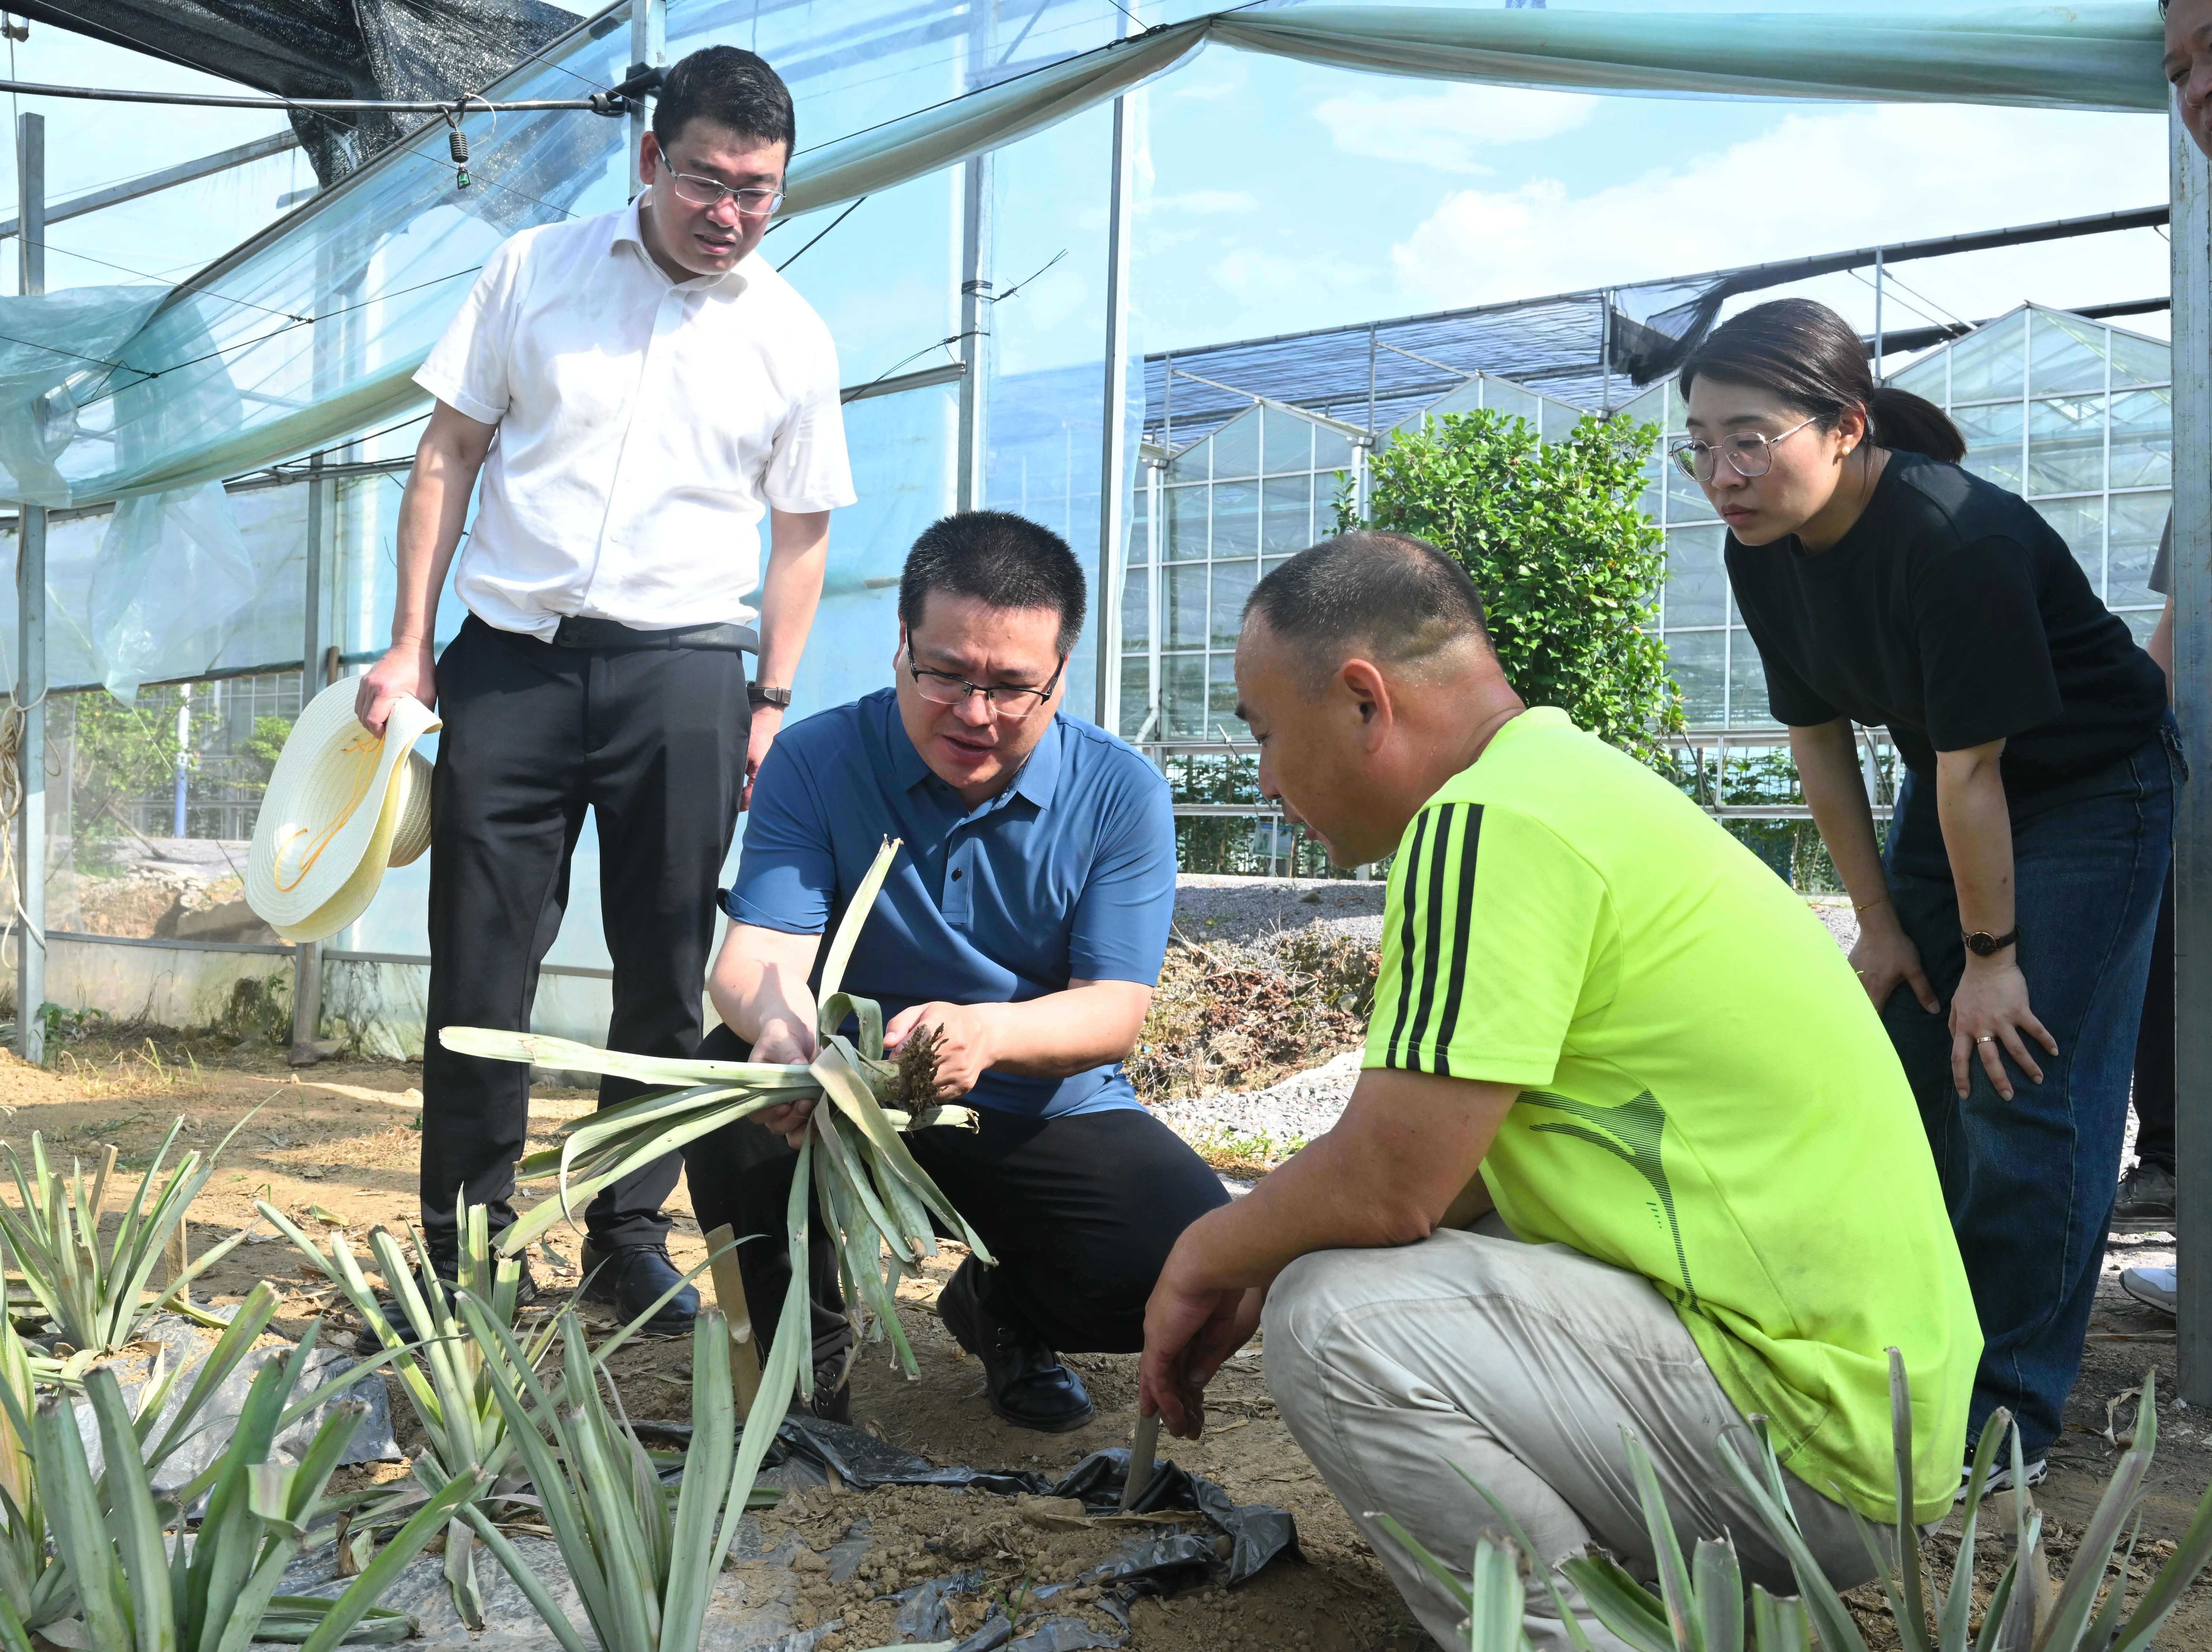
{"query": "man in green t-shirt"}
pixel 1614 1045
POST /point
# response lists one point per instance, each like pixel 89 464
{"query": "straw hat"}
pixel 342 805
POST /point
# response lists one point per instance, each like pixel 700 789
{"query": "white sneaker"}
pixel 2000 1478
pixel 2154 1287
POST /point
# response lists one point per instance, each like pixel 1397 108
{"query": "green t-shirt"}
pixel 1707 1097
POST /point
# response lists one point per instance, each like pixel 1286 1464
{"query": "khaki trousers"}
pixel 1521 1364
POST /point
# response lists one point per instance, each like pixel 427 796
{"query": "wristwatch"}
pixel 1983 944
pixel 759 694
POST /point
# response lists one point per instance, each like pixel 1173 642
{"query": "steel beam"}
pixel 1113 434
pixel 30 690
pixel 2191 232
pixel 184 171
pixel 306 958
pixel 648 45
pixel 977 185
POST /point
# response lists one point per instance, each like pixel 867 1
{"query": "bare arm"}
pixel 447 460
pixel 1828 759
pixel 2160 646
pixel 1990 1008
pixel 1054 1036
pixel 1398 1164
pixel 759 989
pixel 791 589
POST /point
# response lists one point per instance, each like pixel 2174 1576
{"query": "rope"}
pixel 364 748
pixel 13 720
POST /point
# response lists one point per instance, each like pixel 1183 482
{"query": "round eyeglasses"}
pixel 1749 453
pixel 694 189
pixel 944 689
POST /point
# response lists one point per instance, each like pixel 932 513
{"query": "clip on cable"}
pixel 457 145
pixel 640 81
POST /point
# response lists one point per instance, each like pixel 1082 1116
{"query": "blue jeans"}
pixel 2030 1182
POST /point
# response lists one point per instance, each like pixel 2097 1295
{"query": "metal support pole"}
pixel 1605 349
pixel 2191 234
pixel 1371 353
pixel 974 327
pixel 31 645
pixel 648 45
pixel 1878 350
pixel 1113 435
pixel 307 956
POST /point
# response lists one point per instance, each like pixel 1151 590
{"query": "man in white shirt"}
pixel 636 391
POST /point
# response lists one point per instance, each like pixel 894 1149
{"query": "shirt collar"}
pixel 626 227
pixel 1037 780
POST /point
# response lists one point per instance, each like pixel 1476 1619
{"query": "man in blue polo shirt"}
pixel 1025 919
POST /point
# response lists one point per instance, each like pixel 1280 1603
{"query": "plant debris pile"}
pixel 1227 1018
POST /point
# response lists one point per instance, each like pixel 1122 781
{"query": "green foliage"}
pixel 121 752
pixel 259 752
pixel 1568 565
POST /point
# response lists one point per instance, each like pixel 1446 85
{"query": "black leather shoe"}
pixel 833 1392
pixel 630 1279
pixel 1023 1378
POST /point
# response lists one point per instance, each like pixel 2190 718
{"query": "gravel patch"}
pixel 1302 1107
pixel 1255 911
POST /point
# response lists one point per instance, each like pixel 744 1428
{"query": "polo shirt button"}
pixel 956 877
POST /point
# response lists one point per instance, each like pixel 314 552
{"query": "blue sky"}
pixel 1278 196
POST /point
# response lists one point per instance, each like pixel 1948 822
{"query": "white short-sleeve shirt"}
pixel 646 426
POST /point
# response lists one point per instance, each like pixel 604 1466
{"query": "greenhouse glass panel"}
pixel 2143 439
pixel 1191 464
pixel 1187 532
pixel 1696 662
pixel 1929 377
pixel 1655 467
pixel 1697 580
pixel 1465 399
pixel 1140 510
pixel 2142 622
pixel 1558 420
pixel 1993 442
pixel 2137 521
pixel 1136 609
pixel 1286 442
pixel 1746 678
pixel 2139 361
pixel 1503 396
pixel 1186 614
pixel 1686 498
pixel 1991 364
pixel 1183 696
pixel 1332 449
pixel 1236 519
pixel 2066 445
pixel 1221 710
pixel 1286 518
pixel 2081 523
pixel 1232 583
pixel 1649 407
pixel 1237 446
pixel 1136 696
pixel 2064 354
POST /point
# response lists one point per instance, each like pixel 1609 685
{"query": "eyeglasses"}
pixel 944 689
pixel 1749 453
pixel 694 189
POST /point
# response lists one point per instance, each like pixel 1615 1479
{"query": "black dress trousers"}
pixel 653 742
pixel 1081 1213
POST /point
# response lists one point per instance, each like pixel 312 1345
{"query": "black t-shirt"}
pixel 1953 613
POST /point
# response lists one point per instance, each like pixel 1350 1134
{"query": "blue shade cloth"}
pixel 1069 874
pixel 397 243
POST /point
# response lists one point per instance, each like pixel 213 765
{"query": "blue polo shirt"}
pixel 1069 873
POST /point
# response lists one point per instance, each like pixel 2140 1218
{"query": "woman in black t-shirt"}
pixel 2005 927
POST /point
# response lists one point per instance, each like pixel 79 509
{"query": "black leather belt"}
pixel 578 633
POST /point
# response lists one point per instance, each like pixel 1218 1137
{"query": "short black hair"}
pixel 1390 596
pixel 1001 560
pixel 732 87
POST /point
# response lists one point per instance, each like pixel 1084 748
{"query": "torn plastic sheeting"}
pixel 172 568
pixel 1258 1533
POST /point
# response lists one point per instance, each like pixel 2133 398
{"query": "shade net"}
pixel 400 50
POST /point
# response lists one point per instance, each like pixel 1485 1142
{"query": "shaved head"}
pixel 1388 597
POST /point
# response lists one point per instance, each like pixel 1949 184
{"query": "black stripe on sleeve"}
pixel 1392 1055
pixel 1461 942
pixel 1439 854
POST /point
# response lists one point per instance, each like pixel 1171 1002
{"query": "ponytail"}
pixel 1810 358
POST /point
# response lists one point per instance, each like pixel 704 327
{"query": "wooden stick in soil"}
pixel 730 1298
pixel 1140 1461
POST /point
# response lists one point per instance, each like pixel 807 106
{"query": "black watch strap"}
pixel 1983 944
pixel 760 694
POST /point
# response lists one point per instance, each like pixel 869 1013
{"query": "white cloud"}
pixel 1452 129
pixel 1813 183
